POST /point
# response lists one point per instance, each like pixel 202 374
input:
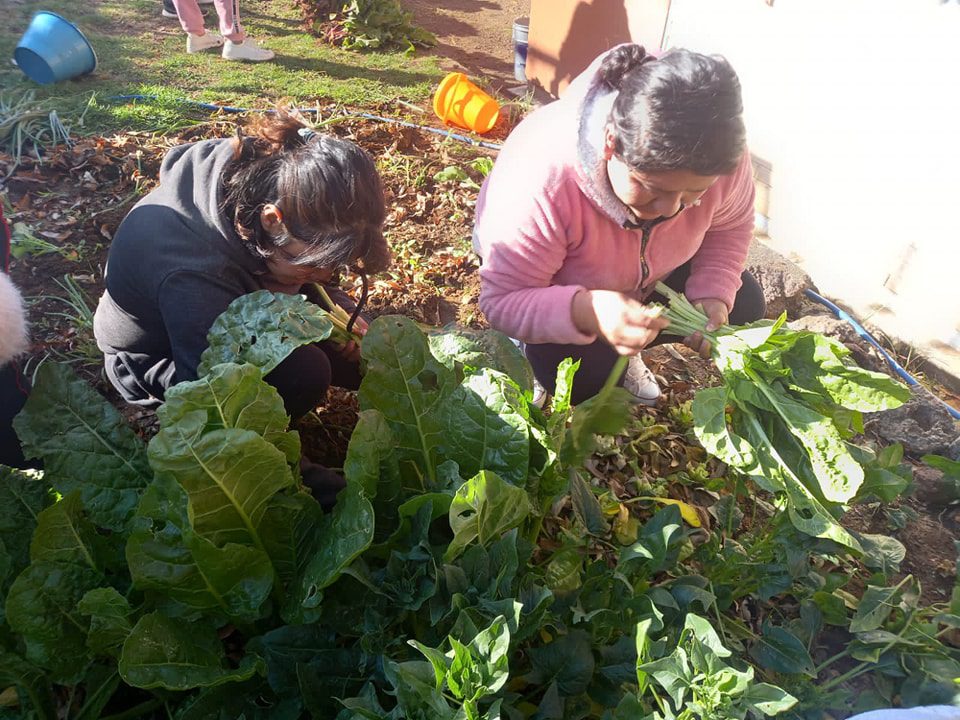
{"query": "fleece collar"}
pixel 592 117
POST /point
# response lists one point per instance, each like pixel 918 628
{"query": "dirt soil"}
pixel 473 36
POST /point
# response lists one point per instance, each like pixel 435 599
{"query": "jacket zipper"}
pixel 646 229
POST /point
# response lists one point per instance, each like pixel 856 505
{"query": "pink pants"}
pixel 191 19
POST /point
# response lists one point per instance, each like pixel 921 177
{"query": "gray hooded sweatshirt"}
pixel 175 264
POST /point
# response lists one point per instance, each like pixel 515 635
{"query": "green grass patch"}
pixel 140 52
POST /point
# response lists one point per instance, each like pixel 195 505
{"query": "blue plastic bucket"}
pixel 521 28
pixel 53 49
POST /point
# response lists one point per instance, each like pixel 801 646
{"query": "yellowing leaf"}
pixel 626 527
pixel 687 511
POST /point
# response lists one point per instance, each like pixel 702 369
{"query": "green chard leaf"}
pixel 780 650
pixel 477 349
pixel 33 687
pixel 839 475
pixel 487 427
pixel 710 425
pixel 768 699
pixel 817 364
pixel 109 614
pixel 411 389
pixel 166 556
pixel 63 534
pixel 484 508
pixel 234 396
pixel 344 534
pixel 85 445
pixel 568 661
pixel 586 506
pixel 229 475
pixel 875 607
pixel 262 328
pixel 162 652
pixel 42 608
pixel 23 495
pixel 370 461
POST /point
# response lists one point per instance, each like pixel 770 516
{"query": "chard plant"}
pixel 471 569
pixel 785 412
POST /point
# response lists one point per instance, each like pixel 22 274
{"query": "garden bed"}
pixel 609 557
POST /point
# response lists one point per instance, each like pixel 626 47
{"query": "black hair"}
pixel 681 111
pixel 327 189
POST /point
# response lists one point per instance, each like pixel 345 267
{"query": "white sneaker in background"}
pixel 199 43
pixel 539 394
pixel 247 50
pixel 641 383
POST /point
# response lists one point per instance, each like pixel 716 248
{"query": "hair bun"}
pixel 620 61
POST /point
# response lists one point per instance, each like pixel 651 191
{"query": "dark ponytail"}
pixel 328 190
pixel 681 111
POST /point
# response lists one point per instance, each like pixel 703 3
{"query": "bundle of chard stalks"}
pixel 339 317
pixel 790 403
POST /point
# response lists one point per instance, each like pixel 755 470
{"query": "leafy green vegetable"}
pixel 84 444
pixel 164 653
pixel 483 509
pixel 261 329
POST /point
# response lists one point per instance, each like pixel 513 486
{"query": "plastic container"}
pixel 460 102
pixel 53 49
pixel 521 29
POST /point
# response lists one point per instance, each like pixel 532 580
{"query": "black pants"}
pixel 598 358
pixel 13 395
pixel 302 379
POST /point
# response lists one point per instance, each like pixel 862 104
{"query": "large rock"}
pixel 922 425
pixel 783 281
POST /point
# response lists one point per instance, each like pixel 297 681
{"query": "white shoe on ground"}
pixel 199 43
pixel 247 50
pixel 167 14
pixel 641 383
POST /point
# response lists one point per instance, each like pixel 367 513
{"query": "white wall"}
pixel 856 104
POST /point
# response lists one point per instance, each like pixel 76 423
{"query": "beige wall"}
pixel 856 106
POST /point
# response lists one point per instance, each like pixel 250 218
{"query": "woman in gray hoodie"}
pixel 279 210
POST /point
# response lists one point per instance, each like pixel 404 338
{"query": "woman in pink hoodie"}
pixel 638 173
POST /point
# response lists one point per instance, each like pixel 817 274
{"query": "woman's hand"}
pixel 717 315
pixel 626 324
pixel 351 351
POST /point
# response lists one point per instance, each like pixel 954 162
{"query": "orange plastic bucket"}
pixel 459 101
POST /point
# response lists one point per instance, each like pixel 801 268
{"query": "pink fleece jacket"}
pixel 548 225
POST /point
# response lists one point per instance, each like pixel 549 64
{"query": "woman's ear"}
pixel 608 142
pixel 271 218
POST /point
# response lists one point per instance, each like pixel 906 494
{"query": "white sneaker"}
pixel 641 383
pixel 199 43
pixel 539 394
pixel 247 50
pixel 167 14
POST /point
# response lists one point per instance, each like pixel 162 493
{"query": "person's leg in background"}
pixel 14 388
pixel 302 381
pixel 191 20
pixel 170 11
pixel 237 46
pixel 596 362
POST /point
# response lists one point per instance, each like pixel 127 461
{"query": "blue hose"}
pixel 894 365
pixel 378 118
